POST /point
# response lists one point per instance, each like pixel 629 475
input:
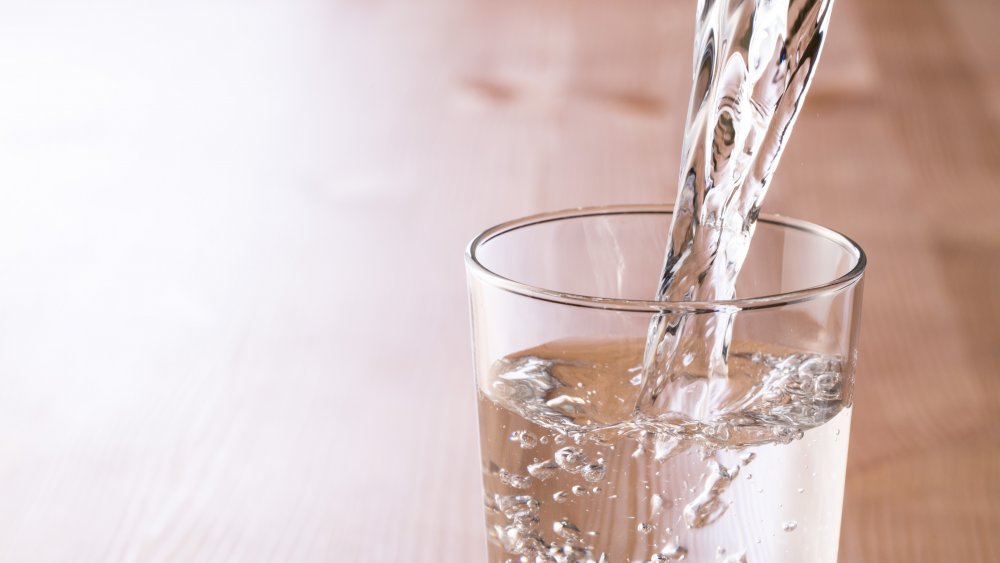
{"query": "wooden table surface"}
pixel 233 322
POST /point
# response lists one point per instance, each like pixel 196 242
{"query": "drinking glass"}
pixel 575 469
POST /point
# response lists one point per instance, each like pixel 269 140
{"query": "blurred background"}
pixel 233 321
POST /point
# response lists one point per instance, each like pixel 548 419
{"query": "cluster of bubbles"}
pixel 573 460
pixel 520 535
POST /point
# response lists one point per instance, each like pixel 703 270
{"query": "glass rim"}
pixel 477 268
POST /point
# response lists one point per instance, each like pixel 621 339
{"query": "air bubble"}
pixel 528 545
pixel 543 470
pixel 567 530
pixel 644 528
pixel 578 490
pixel 594 472
pixel 571 459
pixel 515 480
pixel 672 552
pixel 517 506
pixel 560 496
pixel 527 440
pixel 789 526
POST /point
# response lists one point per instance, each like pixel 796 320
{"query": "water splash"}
pixel 754 61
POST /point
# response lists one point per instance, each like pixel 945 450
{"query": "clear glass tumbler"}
pixel 575 470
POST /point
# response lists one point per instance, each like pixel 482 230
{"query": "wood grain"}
pixel 233 321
